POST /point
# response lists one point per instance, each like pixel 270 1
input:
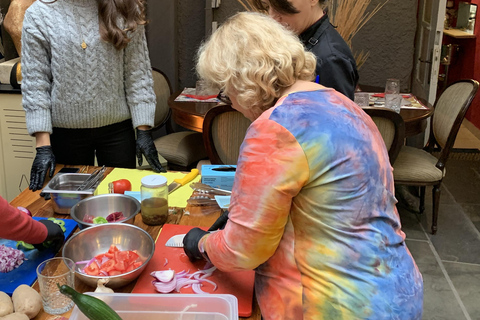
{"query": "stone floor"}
pixel 450 260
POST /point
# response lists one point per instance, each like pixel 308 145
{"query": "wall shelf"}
pixel 459 34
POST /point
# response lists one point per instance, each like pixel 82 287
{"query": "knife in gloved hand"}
pixel 177 183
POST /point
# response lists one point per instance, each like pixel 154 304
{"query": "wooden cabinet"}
pixel 17 147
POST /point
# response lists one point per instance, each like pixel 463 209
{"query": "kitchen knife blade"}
pixel 175 241
pixel 177 183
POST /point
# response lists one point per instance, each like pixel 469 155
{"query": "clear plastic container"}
pixel 134 306
pixel 154 204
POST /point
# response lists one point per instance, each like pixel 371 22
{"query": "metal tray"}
pixel 69 183
pixel 63 190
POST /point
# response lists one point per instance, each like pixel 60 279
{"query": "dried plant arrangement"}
pixel 348 16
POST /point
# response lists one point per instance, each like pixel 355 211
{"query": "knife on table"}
pixel 177 183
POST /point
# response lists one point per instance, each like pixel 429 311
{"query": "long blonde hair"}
pixel 254 56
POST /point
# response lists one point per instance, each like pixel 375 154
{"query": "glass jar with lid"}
pixel 154 204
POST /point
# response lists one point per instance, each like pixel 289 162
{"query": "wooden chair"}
pixel 391 127
pixel 417 167
pixel 224 129
pixel 181 149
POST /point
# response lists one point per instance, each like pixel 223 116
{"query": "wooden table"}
pixel 416 119
pixel 41 208
pixel 190 115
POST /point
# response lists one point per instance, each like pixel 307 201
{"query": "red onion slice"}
pixel 196 288
pixel 25 210
pixel 164 275
pixel 167 281
pixel 165 287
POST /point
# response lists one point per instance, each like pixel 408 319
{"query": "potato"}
pixel 6 304
pixel 15 316
pixel 27 300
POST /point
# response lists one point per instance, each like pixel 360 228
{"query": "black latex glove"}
pixel 190 244
pixel 44 160
pixel 46 196
pixel 221 222
pixel 146 147
pixel 55 237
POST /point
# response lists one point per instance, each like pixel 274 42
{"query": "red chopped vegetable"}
pixel 167 281
pixel 111 263
pixel 10 258
pixel 88 218
pixel 25 210
pixel 115 216
pixel 112 217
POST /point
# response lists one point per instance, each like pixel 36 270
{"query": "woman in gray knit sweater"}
pixel 87 84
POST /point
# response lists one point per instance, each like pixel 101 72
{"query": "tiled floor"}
pixel 450 260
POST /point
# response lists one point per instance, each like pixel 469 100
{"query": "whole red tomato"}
pixel 122 185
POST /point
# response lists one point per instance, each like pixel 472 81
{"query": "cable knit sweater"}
pixel 69 87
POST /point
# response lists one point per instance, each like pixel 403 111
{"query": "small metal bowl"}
pixel 90 242
pixel 103 205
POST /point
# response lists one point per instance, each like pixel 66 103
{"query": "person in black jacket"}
pixel 336 67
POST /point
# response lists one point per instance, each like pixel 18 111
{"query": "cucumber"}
pixel 92 307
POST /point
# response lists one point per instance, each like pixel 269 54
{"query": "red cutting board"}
pixel 239 284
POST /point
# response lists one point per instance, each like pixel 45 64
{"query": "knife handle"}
pixel 188 177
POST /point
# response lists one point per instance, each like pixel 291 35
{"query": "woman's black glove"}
pixel 146 146
pixel 221 222
pixel 44 160
pixel 190 244
pixel 55 236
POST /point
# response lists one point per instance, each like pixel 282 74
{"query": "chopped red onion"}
pixel 167 281
pixel 10 258
pixel 115 216
pixel 196 288
pixel 164 275
pixel 25 210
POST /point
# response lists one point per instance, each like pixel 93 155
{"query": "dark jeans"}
pixel 113 145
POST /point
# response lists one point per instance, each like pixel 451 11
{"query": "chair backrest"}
pixel 450 109
pixel 391 127
pixel 224 129
pixel 163 90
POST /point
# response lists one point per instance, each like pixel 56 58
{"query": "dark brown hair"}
pixel 280 6
pixel 129 13
pixel 115 14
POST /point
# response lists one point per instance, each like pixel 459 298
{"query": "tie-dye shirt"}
pixel 313 212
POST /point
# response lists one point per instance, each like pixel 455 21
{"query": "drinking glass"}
pixel 50 273
pixel 202 89
pixel 393 101
pixel 362 99
pixel 392 86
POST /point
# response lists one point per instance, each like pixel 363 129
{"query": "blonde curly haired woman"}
pixel 312 208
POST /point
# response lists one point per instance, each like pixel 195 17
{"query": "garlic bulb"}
pixel 101 286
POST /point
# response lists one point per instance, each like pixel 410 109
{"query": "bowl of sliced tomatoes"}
pixel 118 252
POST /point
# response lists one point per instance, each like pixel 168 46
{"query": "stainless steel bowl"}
pixel 103 205
pixel 90 242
